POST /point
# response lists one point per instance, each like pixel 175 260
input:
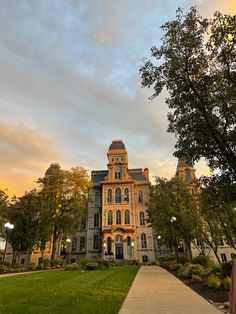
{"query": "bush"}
pixel 3 268
pixel 216 270
pixel 202 260
pixel 214 282
pixel 32 266
pixel 227 283
pixel 196 278
pixel 174 266
pixel 226 269
pixel 17 268
pixel 184 272
pixel 40 266
pixel 165 260
pixel 183 260
pixel 155 262
pixel 72 267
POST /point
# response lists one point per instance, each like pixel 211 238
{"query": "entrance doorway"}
pixel 119 251
pixel 119 248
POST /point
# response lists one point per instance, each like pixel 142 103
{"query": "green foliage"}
pixel 202 260
pixel 184 272
pixel 188 270
pixel 171 198
pixel 40 266
pixel 183 260
pixel 214 282
pixel 174 266
pixel 226 268
pixel 216 270
pixel 227 283
pixel 32 266
pixel 72 267
pixel 198 71
pixel 57 262
pixel 3 268
pixel 93 263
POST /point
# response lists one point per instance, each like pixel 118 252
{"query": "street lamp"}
pixel 159 244
pixel 8 226
pixel 132 248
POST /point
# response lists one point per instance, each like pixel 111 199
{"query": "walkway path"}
pixel 156 291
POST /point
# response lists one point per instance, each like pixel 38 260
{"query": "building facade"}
pixel 117 224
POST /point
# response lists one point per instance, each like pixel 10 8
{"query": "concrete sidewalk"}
pixel 156 291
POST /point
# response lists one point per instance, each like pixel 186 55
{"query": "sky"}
pixel 70 84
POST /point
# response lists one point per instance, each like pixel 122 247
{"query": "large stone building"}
pixel 117 226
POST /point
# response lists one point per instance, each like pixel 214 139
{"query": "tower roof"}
pixel 117 144
pixel 52 169
pixel 184 162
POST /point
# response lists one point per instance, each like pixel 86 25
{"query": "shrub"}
pixel 3 268
pixel 184 272
pixel 202 260
pixel 32 266
pixel 165 260
pixel 155 262
pixel 214 282
pixel 226 269
pixel 196 278
pixel 174 266
pixel 216 270
pixel 227 283
pixel 72 267
pixel 40 266
pixel 17 268
pixel 183 260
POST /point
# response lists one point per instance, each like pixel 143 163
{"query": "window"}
pixel 143 241
pixel 109 196
pixel 82 244
pixel 145 258
pixel 222 242
pixel 22 261
pixel 188 176
pixel 109 218
pixel 141 218
pixel 96 220
pixel 127 195
pixel 118 217
pixel 118 195
pixel 74 244
pixel 140 197
pixel 118 173
pixel 233 256
pixel 127 217
pixel 109 245
pixel 97 199
pixel 83 223
pixel 223 257
pixel 95 242
pixel 128 241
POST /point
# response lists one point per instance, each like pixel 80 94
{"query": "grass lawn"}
pixel 55 292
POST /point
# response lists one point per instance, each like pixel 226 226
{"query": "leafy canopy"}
pixel 197 64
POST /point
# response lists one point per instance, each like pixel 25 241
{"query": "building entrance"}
pixel 119 251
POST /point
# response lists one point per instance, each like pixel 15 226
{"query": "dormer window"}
pixel 118 173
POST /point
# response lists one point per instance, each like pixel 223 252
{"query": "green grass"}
pixel 55 292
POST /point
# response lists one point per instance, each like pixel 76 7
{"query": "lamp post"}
pixel 172 220
pixel 8 227
pixel 159 242
pixel 132 248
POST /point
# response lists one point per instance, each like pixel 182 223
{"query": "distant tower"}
pixel 186 171
pixel 54 167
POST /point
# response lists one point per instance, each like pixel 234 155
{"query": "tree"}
pixel 173 199
pixel 4 202
pixel 24 212
pixel 65 195
pixel 197 64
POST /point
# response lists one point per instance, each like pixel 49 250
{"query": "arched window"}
pixel 109 196
pixel 97 199
pixel 127 195
pixel 141 218
pixel 127 217
pixel 128 241
pixel 118 195
pixel 187 175
pixel 143 241
pixel 82 244
pixel 109 218
pixel 109 245
pixel 118 217
pixel 95 242
pixel 74 244
pixel 96 220
pixel 118 173
pixel 140 197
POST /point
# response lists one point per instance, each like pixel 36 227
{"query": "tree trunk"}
pixel 27 259
pixel 188 244
pixel 54 244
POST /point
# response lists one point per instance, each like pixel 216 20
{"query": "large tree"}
pixel 4 202
pixel 65 195
pixel 197 64
pixel 171 198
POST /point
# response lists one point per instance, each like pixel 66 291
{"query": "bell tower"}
pixel 117 161
pixel 186 172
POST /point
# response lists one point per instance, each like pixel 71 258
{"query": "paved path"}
pixel 156 291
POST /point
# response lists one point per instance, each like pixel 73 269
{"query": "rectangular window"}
pixel 95 242
pixel 140 197
pixel 233 256
pixel 223 257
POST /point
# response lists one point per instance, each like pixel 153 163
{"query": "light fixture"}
pixel 132 243
pixel 8 225
pixel 158 237
pixel 68 240
pixel 104 245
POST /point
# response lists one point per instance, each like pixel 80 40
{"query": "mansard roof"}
pixel 117 144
